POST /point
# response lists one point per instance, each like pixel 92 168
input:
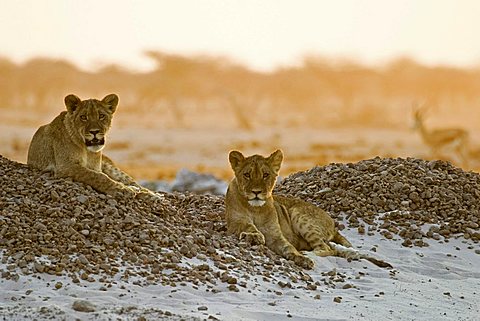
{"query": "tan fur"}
pixel 286 225
pixel 71 146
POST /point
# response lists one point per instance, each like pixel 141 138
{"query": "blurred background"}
pixel 325 81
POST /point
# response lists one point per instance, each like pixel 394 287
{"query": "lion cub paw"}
pixel 255 238
pixel 121 191
pixel 304 261
pixel 148 195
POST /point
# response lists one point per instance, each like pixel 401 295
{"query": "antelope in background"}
pixel 455 139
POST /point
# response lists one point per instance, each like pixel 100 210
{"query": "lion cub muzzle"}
pixel 256 198
pixel 94 140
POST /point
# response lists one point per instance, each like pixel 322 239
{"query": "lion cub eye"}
pixel 101 116
pixel 246 175
pixel 266 175
pixel 83 117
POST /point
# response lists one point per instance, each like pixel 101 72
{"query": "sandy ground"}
pixel 439 282
pixel 151 150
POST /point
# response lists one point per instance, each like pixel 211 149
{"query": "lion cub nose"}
pixel 256 192
pixel 94 132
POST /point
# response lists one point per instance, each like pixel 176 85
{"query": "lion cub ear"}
pixel 111 101
pixel 236 159
pixel 275 160
pixel 71 102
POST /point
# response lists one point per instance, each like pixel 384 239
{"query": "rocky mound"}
pixel 413 198
pixel 59 227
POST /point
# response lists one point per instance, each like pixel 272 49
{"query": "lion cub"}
pixel 286 225
pixel 71 146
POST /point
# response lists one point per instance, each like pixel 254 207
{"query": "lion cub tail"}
pixel 345 251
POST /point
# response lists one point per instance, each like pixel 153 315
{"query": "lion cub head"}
pixel 90 119
pixel 256 175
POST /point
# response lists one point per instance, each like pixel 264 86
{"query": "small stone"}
pixel 83 259
pixel 405 203
pixel 82 199
pixel 18 255
pixel 58 285
pixel 202 308
pixel 39 267
pixel 232 280
pixel 361 229
pixel 44 310
pixel 54 195
pixel 311 287
pixel 83 306
pixel 184 250
pixel 22 263
pixel 108 241
pixel 233 287
pixel 284 284
pixel 337 299
pixel 387 235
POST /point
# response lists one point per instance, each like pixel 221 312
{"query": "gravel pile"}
pixel 412 198
pixel 59 227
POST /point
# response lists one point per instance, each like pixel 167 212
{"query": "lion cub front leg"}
pixel 111 170
pixel 281 246
pixel 99 181
pixel 245 229
pixel 277 242
pixel 253 237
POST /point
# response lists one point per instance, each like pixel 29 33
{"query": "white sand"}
pixel 440 282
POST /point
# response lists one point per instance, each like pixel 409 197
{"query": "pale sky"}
pixel 262 34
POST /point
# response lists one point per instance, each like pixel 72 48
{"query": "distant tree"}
pixel 43 81
pixel 8 79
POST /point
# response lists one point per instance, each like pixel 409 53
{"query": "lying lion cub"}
pixel 285 224
pixel 71 146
